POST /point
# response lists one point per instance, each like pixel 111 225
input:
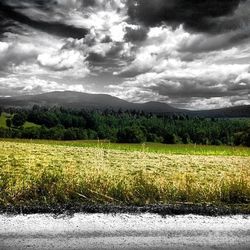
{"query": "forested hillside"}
pixel 128 126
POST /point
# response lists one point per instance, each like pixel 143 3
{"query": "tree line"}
pixel 124 126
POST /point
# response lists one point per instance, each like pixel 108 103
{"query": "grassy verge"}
pixel 52 175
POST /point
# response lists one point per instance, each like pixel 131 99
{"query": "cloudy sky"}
pixel 189 53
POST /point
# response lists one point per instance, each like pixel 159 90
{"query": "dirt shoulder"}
pixel 171 209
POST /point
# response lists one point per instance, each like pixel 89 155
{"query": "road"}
pixel 123 231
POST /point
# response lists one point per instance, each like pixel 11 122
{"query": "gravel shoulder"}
pixel 123 231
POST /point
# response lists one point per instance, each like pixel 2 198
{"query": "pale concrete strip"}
pixel 124 231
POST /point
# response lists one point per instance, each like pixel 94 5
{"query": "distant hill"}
pixel 231 112
pixel 78 100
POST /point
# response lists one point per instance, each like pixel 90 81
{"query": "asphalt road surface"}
pixel 124 231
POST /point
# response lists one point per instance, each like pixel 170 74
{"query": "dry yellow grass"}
pixel 35 174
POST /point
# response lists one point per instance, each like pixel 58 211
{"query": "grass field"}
pixel 47 174
pixel 177 149
pixel 3 120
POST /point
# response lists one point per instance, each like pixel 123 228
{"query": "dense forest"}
pixel 123 126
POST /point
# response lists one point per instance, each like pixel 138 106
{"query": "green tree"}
pixel 18 120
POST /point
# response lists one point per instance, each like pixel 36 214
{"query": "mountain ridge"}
pixel 79 100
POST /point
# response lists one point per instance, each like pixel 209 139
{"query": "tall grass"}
pixel 35 174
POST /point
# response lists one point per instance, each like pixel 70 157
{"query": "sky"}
pixel 191 54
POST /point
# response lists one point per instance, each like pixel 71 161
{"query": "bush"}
pixel 8 123
pixel 31 133
pixel 70 134
pixel 130 135
pixel 170 138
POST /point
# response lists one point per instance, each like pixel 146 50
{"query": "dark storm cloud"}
pixel 240 87
pixel 197 15
pixel 11 15
pixel 95 57
pixel 4 25
pixel 136 35
pixel 115 49
pixel 109 60
pixel 106 39
pixel 87 3
pixel 195 88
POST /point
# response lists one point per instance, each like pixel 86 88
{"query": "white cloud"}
pixel 3 47
pixel 243 78
pixel 65 60
pixel 107 18
pixel 160 71
pixel 34 85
